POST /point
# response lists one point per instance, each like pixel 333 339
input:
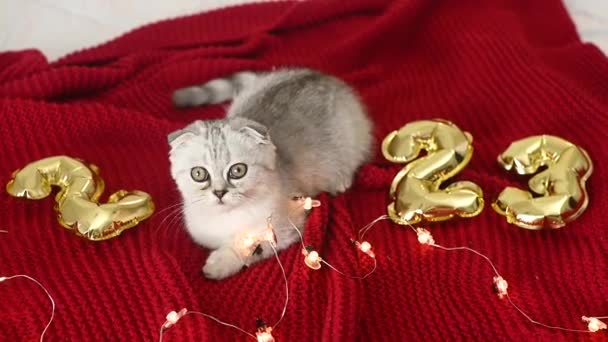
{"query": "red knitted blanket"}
pixel 502 70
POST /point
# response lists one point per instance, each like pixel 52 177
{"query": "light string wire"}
pixel 424 237
pixel 2 279
pixel 165 326
pixel 276 255
pixel 362 232
pixel 170 323
pixel 429 241
pixel 368 226
pixel 307 204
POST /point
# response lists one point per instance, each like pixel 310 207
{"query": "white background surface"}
pixel 58 27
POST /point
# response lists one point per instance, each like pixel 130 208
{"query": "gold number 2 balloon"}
pixel 561 184
pixel 415 191
pixel 77 202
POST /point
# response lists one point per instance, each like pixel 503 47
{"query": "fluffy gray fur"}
pixel 300 132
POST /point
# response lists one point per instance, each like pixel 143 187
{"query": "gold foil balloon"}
pixel 415 191
pixel 77 202
pixel 561 185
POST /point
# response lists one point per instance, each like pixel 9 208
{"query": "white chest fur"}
pixel 213 228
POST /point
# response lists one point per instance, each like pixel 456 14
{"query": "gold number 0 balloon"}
pixel 562 184
pixel 415 191
pixel 81 187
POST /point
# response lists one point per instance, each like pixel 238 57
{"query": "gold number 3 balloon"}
pixel 561 184
pixel 415 191
pixel 77 202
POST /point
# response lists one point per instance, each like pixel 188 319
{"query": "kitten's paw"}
pixel 222 263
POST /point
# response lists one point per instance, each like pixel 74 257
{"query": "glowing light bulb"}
pixel 366 248
pixel 594 324
pixel 173 317
pixel 500 286
pixel 264 332
pixel 424 236
pixel 248 241
pixel 311 258
pixel 265 336
pixel 246 244
pixel 309 203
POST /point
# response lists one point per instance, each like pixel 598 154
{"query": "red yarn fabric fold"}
pixel 501 70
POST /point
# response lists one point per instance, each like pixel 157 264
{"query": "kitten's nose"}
pixel 220 193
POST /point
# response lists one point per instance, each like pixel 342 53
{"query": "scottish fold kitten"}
pixel 288 133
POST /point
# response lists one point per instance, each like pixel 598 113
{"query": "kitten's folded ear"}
pixel 252 128
pixel 179 137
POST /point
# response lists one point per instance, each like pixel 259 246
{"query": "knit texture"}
pixel 502 70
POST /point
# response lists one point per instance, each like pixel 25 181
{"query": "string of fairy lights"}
pixel 247 243
pixel 314 261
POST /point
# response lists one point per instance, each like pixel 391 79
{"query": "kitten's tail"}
pixel 214 91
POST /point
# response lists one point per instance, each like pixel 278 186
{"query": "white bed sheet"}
pixel 58 27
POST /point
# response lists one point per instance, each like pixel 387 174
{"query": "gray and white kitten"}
pixel 288 133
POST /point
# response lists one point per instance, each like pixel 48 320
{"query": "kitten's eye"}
pixel 237 171
pixel 199 174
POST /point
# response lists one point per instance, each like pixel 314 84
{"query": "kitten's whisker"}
pixel 175 212
pixel 242 195
pixel 170 217
pixel 170 214
pixel 164 228
pixel 174 221
pixel 171 206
